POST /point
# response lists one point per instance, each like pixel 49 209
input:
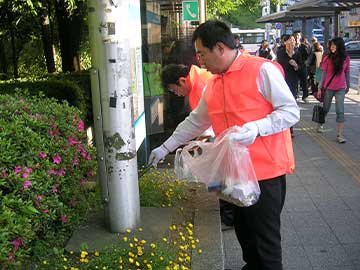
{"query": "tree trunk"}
pixel 14 54
pixel 3 62
pixel 47 41
pixel 69 27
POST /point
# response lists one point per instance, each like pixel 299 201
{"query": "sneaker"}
pixel 320 129
pixel 340 139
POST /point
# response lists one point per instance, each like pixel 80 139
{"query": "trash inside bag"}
pixel 223 166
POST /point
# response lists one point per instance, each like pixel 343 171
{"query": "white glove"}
pixel 157 154
pixel 246 135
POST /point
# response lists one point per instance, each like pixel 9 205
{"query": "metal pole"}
pixel 112 102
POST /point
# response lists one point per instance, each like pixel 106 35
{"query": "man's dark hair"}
pixel 171 74
pixel 212 32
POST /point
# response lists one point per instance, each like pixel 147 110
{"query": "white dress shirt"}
pixel 273 88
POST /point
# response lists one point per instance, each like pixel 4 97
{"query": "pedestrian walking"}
pixel 288 58
pixel 265 51
pixel 251 93
pixel 302 73
pixel 335 81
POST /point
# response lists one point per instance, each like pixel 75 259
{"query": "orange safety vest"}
pixel 233 98
pixel 197 78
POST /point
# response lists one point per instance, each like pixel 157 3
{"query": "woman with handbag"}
pixel 336 79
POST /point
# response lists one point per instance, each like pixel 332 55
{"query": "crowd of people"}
pixel 326 75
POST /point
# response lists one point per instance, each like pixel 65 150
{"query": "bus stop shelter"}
pixel 308 9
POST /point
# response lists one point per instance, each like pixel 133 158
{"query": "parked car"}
pixel 353 48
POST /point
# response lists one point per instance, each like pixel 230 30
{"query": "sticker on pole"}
pixel 190 10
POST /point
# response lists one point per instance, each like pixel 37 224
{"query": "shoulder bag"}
pixel 323 89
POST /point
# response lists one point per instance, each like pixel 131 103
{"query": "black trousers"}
pixel 258 227
pixel 302 74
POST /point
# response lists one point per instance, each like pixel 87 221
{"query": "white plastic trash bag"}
pixel 224 165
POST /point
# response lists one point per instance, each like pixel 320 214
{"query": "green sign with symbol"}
pixel 190 10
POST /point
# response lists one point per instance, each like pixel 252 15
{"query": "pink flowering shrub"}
pixel 44 163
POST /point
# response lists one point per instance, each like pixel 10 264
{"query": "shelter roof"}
pixel 310 9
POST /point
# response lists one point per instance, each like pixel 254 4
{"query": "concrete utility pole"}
pixel 111 77
pixel 202 10
pixel 265 4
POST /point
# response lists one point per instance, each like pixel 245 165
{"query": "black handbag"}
pixel 318 115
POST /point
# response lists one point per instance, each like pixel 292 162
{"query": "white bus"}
pixel 251 39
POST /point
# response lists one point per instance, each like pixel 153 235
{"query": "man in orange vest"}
pixel 190 82
pixel 185 81
pixel 249 92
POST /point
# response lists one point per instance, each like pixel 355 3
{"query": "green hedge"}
pixel 72 87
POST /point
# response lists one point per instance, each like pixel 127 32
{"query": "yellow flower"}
pixel 161 258
pixel 131 245
pixel 125 239
pixel 190 225
pixel 44 262
pixel 97 253
pixel 131 260
pixel 65 259
pixel 137 263
pixel 152 245
pixel 136 240
pixel 140 229
pixel 143 242
pixel 149 266
pixel 164 239
pixel 128 230
pixel 131 254
pixel 200 251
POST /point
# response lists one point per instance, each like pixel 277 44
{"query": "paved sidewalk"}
pixel 321 217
